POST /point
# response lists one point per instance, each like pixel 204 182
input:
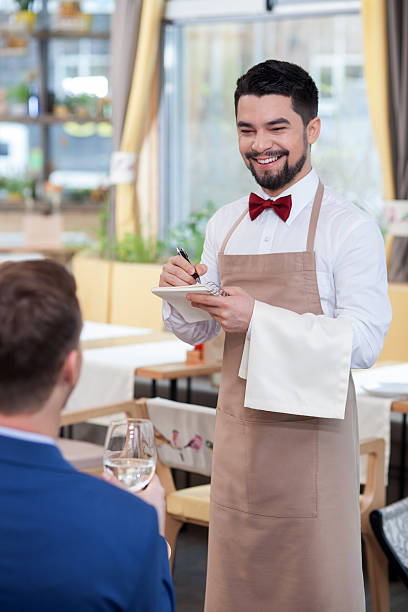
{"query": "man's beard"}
pixel 273 182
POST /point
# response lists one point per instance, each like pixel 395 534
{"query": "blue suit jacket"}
pixel 72 543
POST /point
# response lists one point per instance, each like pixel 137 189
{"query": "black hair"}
pixel 284 79
pixel 40 322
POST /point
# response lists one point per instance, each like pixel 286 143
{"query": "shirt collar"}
pixel 30 436
pixel 302 192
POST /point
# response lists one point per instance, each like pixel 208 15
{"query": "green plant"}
pixel 77 195
pixel 190 234
pixel 24 5
pixel 105 249
pixel 81 101
pixel 136 248
pixel 18 93
pixel 132 248
pixel 15 184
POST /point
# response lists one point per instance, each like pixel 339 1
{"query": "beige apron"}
pixel 285 519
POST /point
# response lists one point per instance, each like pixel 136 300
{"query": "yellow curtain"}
pixel 376 74
pixel 138 112
pixel 147 185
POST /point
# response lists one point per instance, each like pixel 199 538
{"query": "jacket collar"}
pixel 34 454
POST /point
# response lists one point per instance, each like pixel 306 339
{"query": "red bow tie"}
pixel 281 206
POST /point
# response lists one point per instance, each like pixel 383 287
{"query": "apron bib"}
pixel 284 519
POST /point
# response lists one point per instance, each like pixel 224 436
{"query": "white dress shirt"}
pixel 350 262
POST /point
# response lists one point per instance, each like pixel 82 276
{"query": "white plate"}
pixel 387 389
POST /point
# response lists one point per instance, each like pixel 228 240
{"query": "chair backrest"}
pixel 184 434
pixel 390 525
pixel 373 495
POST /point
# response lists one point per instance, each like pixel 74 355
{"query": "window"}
pixel 68 139
pixel 202 61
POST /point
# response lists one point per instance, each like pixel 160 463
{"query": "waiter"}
pixel 306 277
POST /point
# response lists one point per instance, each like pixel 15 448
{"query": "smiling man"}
pixel 307 300
pixel 288 160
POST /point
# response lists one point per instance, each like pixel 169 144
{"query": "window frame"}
pixel 181 13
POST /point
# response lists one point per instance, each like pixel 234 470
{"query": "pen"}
pixel 183 253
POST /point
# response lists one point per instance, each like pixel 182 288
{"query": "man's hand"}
pixel 233 312
pixel 177 271
pixel 153 494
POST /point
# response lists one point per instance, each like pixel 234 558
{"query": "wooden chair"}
pixel 372 498
pixel 192 504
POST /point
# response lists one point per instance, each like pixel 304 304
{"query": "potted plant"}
pixel 114 285
pixel 25 17
pixel 191 233
pixel 17 98
pixel 17 188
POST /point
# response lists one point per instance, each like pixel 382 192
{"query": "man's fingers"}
pixel 201 269
pixel 234 291
pixel 177 271
pixel 113 481
pixel 174 276
pixel 180 262
pixel 198 299
pixel 156 484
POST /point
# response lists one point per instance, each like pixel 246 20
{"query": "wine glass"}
pixel 130 452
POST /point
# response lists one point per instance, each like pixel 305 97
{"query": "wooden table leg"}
pixel 173 389
pixel 67 432
pixel 188 394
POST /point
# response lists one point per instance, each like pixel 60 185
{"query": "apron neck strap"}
pixel 314 217
pixel 234 225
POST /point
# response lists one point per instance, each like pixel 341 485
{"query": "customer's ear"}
pixel 71 368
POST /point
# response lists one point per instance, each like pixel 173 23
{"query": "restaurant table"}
pixel 99 335
pixel 174 371
pixel 14 243
pixel 108 374
pixel 103 335
pixel 402 407
pixel 29 255
pixel 382 388
pixel 95 335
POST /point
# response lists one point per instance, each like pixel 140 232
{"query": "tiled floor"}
pixel 190 568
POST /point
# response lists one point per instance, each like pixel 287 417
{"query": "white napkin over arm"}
pixel 296 364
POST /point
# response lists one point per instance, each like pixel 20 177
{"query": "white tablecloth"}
pixel 374 411
pixel 4 257
pixel 107 374
pixel 17 239
pixel 107 377
pixel 99 331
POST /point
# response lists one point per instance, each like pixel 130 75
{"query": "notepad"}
pixel 176 296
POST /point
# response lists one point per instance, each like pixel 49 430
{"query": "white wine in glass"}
pixel 130 452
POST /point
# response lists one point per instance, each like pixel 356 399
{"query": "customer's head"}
pixel 283 79
pixel 40 324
